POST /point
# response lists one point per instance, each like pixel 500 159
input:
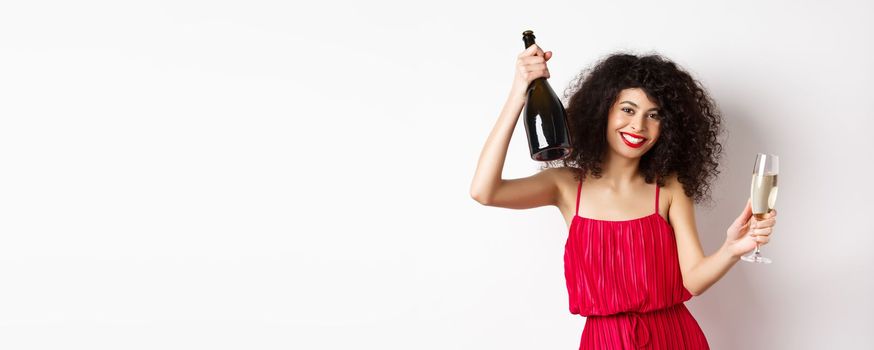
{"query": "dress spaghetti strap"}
pixel 579 187
pixel 657 198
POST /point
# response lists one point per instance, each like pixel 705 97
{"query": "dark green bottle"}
pixel 544 118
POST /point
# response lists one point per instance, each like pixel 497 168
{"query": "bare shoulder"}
pixel 565 172
pixel 671 185
pixel 564 176
pixel 565 179
pixel 674 187
pixel 671 193
pixel 679 204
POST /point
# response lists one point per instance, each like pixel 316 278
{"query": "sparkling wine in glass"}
pixel 763 195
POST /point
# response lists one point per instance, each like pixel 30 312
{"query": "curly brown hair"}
pixel 690 124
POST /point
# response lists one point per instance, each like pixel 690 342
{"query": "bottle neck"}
pixel 528 39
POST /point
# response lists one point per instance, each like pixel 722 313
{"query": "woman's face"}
pixel 632 124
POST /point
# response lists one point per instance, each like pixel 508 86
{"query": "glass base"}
pixel 756 258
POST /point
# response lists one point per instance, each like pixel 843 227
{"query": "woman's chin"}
pixel 630 153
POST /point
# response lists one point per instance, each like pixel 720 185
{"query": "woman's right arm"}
pixel 488 187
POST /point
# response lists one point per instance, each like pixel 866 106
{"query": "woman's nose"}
pixel 637 123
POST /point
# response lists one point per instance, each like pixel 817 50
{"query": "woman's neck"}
pixel 618 171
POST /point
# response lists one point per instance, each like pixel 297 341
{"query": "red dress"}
pixel 624 277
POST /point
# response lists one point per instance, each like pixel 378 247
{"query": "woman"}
pixel 644 134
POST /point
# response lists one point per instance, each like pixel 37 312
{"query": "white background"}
pixel 295 175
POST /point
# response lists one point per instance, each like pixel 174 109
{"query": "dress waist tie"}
pixel 636 321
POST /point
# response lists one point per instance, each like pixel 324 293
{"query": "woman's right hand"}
pixel 530 65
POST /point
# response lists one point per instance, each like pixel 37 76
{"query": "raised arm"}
pixel 488 187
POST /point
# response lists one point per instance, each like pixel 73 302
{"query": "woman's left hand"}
pixel 746 231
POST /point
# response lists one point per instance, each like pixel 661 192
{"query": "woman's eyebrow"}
pixel 635 105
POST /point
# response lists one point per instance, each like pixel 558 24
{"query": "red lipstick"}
pixel 632 145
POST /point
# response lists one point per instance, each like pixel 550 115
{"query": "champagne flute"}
pixel 763 195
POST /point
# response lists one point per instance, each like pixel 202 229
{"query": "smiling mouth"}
pixel 631 140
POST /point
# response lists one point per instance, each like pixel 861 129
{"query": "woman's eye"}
pixel 655 116
pixel 627 110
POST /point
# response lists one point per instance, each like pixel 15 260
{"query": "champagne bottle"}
pixel 544 118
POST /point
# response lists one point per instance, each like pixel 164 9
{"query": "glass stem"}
pixel 757 249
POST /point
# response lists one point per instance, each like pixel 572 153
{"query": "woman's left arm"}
pixel 699 271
